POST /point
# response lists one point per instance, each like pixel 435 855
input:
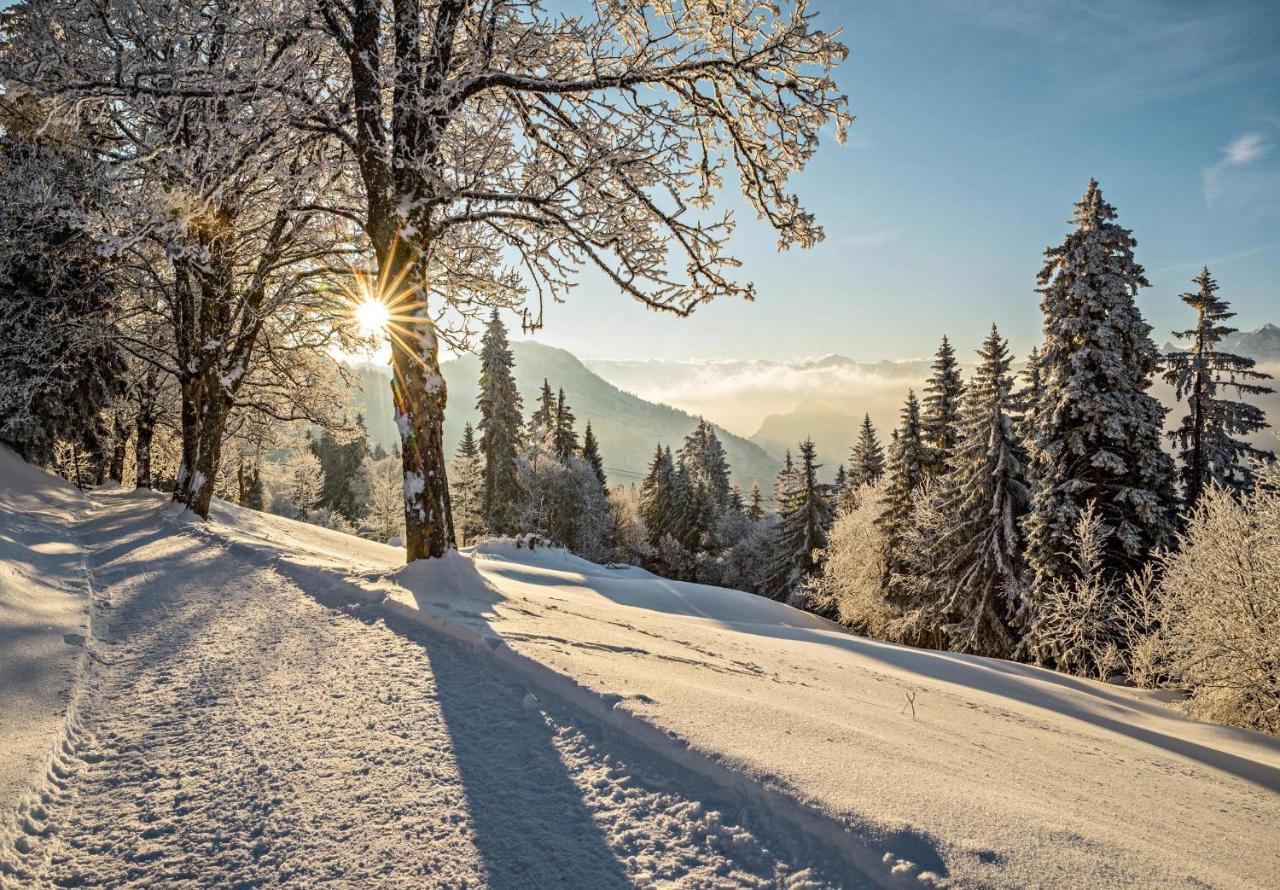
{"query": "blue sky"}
pixel 978 126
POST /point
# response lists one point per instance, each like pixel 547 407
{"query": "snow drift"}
pixel 946 767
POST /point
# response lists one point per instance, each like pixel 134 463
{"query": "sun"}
pixel 373 316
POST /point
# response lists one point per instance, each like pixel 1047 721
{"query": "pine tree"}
pixel 542 421
pixel 657 496
pixel 591 454
pixel 866 460
pixel 1209 450
pixel 466 484
pixel 736 504
pixel 842 479
pixel 500 419
pixel 970 557
pixel 339 463
pixel 804 518
pixel 60 362
pixel 704 459
pixel 940 413
pixel 564 439
pixel 1026 400
pixel 906 477
pixel 755 506
pixel 306 485
pixel 1097 428
pixel 786 476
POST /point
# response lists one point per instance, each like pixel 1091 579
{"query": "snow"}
pixel 277 701
pixel 43 615
pixel 1007 774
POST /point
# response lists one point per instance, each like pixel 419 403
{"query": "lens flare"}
pixel 373 316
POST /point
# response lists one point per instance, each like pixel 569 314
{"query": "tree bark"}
pixel 418 390
pixel 119 448
pixel 142 449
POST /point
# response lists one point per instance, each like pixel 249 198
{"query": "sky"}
pixel 978 126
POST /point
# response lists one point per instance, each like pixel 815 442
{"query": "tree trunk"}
pixel 208 456
pixel 191 409
pixel 418 389
pixel 205 408
pixel 119 448
pixel 142 448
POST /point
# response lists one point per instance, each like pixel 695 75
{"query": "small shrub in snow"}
pixel 851 587
pixel 1220 633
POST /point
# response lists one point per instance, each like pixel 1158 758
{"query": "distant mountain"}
pixel 627 426
pixel 739 393
pixel 1261 344
pixel 832 431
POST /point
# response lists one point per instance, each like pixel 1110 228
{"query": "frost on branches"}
pixel 1210 451
pixel 500 407
pixel 965 552
pixel 480 133
pixel 208 201
pixel 1097 430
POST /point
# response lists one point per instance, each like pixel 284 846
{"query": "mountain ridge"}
pixel 627 425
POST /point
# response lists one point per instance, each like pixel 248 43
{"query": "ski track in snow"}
pixel 232 730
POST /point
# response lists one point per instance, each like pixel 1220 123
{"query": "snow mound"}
pixel 951 768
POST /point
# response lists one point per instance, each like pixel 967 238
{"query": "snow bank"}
pixel 939 767
pixel 946 767
pixel 43 617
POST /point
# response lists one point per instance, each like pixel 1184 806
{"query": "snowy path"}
pixel 235 731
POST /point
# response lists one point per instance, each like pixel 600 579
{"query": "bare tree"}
pixel 211 202
pixel 501 148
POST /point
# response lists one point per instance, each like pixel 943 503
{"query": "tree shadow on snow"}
pixel 531 825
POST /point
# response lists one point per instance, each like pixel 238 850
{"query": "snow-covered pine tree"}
pixel 905 477
pixel 542 421
pixel 1097 428
pixel 804 518
pixel 786 476
pixel 306 485
pixel 59 297
pixel 866 460
pixel 704 460
pixel 466 489
pixel 657 496
pixel 564 438
pixel 683 515
pixel 499 405
pixel 940 410
pixel 591 454
pixel 1027 399
pixel 1210 451
pixel 736 504
pixel 841 480
pixel 970 559
pixel 755 505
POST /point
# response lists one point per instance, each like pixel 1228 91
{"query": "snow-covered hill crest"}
pixel 953 768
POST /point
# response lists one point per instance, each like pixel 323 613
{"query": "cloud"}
pixel 1240 152
pixel 1245 150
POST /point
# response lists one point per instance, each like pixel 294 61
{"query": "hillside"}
pixel 627 426
pixel 269 702
pixel 832 431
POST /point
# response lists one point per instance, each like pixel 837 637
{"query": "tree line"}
pixel 1041 519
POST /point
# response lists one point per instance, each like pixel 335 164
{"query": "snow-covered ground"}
pixel 523 718
pixel 43 616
